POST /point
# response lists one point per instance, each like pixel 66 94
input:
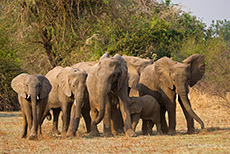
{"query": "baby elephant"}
pixel 148 109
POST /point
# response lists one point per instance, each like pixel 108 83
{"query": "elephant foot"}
pixel 159 133
pixel 23 135
pixel 70 134
pixel 171 132
pixel 191 131
pixel 150 133
pixel 33 137
pixel 88 131
pixel 164 130
pixel 120 131
pixel 94 133
pixel 130 133
pixel 107 134
pixel 144 132
pixel 116 132
pixel 56 132
pixel 63 134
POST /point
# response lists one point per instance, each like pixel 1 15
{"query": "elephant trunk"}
pixel 34 113
pixel 185 102
pixel 75 116
pixel 103 92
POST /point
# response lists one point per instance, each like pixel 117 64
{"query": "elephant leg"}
pixel 126 117
pixel 150 125
pixel 40 110
pixel 172 119
pixel 144 127
pixel 56 113
pixel 164 126
pixel 74 122
pixel 66 109
pixel 106 120
pixel 94 131
pixel 24 130
pixel 189 119
pixel 45 112
pixel 28 114
pixel 135 118
pixel 158 125
pixel 117 124
pixel 87 119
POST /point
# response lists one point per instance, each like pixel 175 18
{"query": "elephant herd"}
pixel 100 91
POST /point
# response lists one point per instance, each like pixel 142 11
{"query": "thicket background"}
pixel 37 35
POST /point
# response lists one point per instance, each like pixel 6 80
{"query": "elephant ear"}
pixel 134 78
pixel 163 69
pixel 197 67
pixel 63 81
pixel 18 84
pixel 46 86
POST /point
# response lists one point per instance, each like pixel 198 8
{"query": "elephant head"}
pixel 33 88
pixel 179 76
pixel 72 83
pixel 109 76
pixel 135 66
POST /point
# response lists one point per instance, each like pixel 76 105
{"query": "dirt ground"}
pixel 215 138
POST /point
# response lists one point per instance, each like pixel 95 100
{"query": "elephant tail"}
pixel 48 116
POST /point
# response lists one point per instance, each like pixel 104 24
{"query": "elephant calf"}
pixel 148 109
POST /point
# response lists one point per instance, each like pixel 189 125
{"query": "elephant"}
pixel 69 95
pixel 107 80
pixel 135 66
pixel 164 79
pixel 148 109
pixel 33 91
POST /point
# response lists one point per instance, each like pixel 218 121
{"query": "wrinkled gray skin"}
pixel 67 95
pixel 166 78
pixel 107 79
pixel 148 109
pixel 135 66
pixel 33 91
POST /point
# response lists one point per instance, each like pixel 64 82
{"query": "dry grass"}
pixel 214 139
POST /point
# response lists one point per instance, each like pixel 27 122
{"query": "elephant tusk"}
pixel 177 97
pixel 28 97
pixel 75 102
pixel 37 98
pixel 188 96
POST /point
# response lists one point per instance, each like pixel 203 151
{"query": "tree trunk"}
pixel 48 48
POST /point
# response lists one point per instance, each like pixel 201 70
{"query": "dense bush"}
pixel 9 68
pixel 37 35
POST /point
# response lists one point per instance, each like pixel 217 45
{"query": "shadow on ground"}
pixel 9 114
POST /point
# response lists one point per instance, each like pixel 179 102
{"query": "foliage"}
pixel 37 35
pixel 220 28
pixel 9 68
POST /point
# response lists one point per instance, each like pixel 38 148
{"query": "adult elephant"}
pixel 107 79
pixel 164 79
pixel 33 91
pixel 135 67
pixel 69 87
